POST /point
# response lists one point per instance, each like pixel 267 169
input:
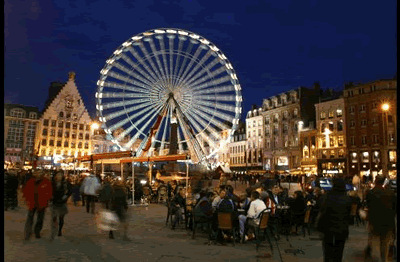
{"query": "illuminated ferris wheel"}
pixel 166 76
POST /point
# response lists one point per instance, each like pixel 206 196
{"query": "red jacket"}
pixel 45 192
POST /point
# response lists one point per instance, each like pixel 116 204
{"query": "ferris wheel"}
pixel 166 76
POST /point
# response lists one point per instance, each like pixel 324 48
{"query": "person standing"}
pixel 91 185
pixel 61 192
pixel 381 204
pixel 37 193
pixel 76 195
pixel 178 205
pixel 333 221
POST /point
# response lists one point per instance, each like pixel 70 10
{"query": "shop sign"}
pixel 332 171
pixel 283 161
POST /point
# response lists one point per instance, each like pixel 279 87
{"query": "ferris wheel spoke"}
pixel 212 83
pixel 222 106
pixel 180 45
pixel 120 113
pixel 208 127
pixel 124 103
pixel 171 56
pixel 220 89
pixel 155 52
pixel 192 61
pixel 143 63
pixel 136 67
pixel 165 131
pixel 126 120
pixel 225 98
pixel 188 50
pixel 164 58
pixel 208 76
pixel 200 132
pixel 204 70
pixel 125 79
pixel 214 112
pixel 131 73
pixel 123 87
pixel 148 117
pixel 122 95
pixel 190 139
pixel 149 60
pixel 198 65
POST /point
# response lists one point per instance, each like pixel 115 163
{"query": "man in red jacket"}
pixel 37 193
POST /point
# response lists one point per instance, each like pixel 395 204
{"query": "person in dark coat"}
pixel 178 205
pixel 382 206
pixel 333 222
pixel 105 193
pixel 298 210
pixel 119 205
pixel 61 192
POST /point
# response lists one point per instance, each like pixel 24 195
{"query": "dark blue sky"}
pixel 274 46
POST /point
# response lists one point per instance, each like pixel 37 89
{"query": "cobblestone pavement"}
pixel 152 240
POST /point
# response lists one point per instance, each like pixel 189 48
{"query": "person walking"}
pixel 37 193
pixel 333 221
pixel 119 206
pixel 90 187
pixel 76 195
pixel 106 192
pixel 381 204
pixel 62 190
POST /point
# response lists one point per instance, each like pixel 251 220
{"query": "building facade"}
pixel 255 140
pixel 20 129
pixel 65 125
pixel 284 117
pixel 371 128
pixel 308 145
pixel 237 150
pixel 331 137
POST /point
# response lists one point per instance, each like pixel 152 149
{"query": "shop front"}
pixel 332 167
pixel 282 164
pixel 392 166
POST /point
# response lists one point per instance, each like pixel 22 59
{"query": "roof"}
pixel 54 90
pixel 27 109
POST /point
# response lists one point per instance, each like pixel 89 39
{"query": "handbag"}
pixel 107 220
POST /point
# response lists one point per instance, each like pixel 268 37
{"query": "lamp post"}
pixel 385 108
pixel 94 126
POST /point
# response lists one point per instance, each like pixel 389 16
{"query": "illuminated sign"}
pixel 283 161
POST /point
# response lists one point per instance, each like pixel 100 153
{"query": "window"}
pixel 331 114
pixel 268 144
pixel 323 142
pixel 341 153
pixel 18 113
pixel 364 122
pixel 72 144
pixel 73 136
pixel 44 132
pixel 60 124
pixel 332 154
pixel 363 107
pixel 340 125
pixel 352 110
pixel 267 127
pixel 365 157
pixel 339 112
pixel 65 143
pixel 75 126
pixel 331 141
pixel 53 123
pixel 353 157
pixel 375 139
pixel 390 119
pixel 276 129
pixel 267 120
pixel 86 145
pixel 392 156
pixel 285 115
pixel 373 88
pixel 350 93
pixel 352 123
pixel 331 126
pixel 276 118
pixel 52 132
pixel 51 142
pixel 87 127
pixel 374 121
pixel 59 133
pixel 286 141
pixel 295 127
pixel 324 154
pixel 61 114
pixel 80 126
pixel 66 134
pixel 340 141
pixel 323 126
pixel 361 90
pixel 68 125
pixel 69 104
pixel 276 141
pixel 68 116
pixel 363 140
pixel 295 112
pixel 374 105
pixel 32 115
pixel 86 136
pixel 59 143
pixel 80 136
pixel 323 115
pixel 285 128
pixel 44 142
pixel 353 140
pixel 391 138
pixel 46 122
pixel 254 123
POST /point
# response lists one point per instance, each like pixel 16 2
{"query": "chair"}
pixel 262 227
pixel 200 221
pixel 225 222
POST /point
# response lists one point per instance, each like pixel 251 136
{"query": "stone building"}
pixel 65 125
pixel 283 117
pixel 308 146
pixel 371 131
pixel 255 141
pixel 237 150
pixel 20 128
pixel 331 135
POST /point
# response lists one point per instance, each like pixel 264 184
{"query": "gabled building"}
pixel 255 141
pixel 64 126
pixel 237 150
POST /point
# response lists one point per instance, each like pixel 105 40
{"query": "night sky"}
pixel 274 46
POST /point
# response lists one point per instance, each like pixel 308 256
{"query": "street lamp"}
pixel 95 126
pixel 385 108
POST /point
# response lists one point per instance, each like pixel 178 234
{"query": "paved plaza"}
pixel 152 240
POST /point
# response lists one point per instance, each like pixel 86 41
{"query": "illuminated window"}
pixel 339 112
pixel 46 122
pixel 353 140
pixel 65 143
pixel 61 114
pixel 44 142
pixel 340 141
pixel 323 115
pixel 341 153
pixel 53 123
pixel 44 132
pixel 324 154
pixel 60 124
pixel 365 157
pixel 354 157
pixel 331 114
pixel 392 156
pixel 332 155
